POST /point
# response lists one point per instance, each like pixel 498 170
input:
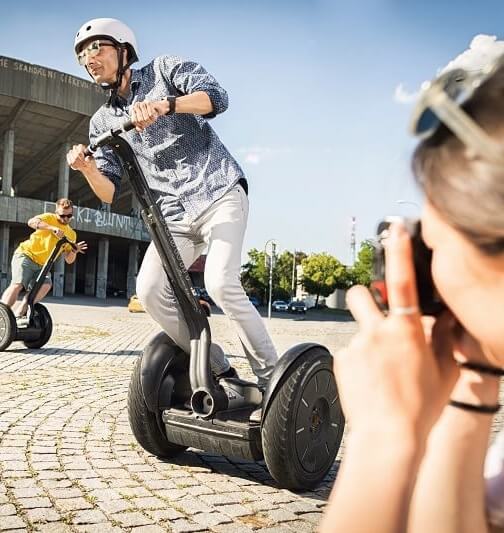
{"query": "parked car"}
pixel 254 301
pixel 279 305
pixel 202 294
pixel 297 307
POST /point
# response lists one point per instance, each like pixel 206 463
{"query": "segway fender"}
pixel 287 359
pixel 159 356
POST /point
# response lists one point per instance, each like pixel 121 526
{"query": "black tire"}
pixel 42 319
pixel 146 426
pixel 304 424
pixel 8 328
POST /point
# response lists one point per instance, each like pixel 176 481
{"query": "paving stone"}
pixel 115 506
pixel 68 492
pixel 89 517
pixel 72 504
pixel 232 528
pixel 12 522
pixel 99 528
pixel 149 503
pixel 192 506
pixel 281 515
pixel 180 526
pixel 235 510
pixel 32 503
pixel 211 519
pixel 54 527
pixel 301 526
pixel 165 514
pixel 42 515
pixel 148 529
pixel 7 510
pixel 132 519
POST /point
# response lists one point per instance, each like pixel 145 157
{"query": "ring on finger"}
pixel 404 310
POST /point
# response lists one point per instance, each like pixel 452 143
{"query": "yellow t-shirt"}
pixel 42 241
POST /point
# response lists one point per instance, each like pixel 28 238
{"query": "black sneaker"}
pixel 229 373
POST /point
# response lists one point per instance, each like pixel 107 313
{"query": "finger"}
pixel 362 306
pixel 399 269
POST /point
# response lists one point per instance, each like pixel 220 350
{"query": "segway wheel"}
pixel 304 424
pixel 43 321
pixel 8 328
pixel 146 426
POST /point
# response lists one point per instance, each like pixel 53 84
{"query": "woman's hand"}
pixel 392 377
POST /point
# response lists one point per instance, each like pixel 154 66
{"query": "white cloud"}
pixel 403 96
pixel 482 49
pixel 255 155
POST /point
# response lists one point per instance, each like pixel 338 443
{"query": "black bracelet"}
pixel 171 101
pixel 484 369
pixel 485 409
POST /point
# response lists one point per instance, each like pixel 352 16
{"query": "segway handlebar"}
pixel 108 136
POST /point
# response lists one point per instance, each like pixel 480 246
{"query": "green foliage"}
pixel 362 270
pixel 322 274
pixel 255 275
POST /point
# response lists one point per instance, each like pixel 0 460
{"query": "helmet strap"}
pixel 113 88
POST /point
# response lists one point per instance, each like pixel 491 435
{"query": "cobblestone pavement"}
pixel 68 460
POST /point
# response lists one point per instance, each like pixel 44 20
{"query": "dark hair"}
pixel 466 190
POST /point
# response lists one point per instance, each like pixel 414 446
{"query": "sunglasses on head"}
pixel 440 102
pixel 91 50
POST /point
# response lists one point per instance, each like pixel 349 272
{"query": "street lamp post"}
pixel 271 264
pixel 293 296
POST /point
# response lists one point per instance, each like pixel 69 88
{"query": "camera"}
pixel 429 300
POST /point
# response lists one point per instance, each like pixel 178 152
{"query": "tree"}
pixel 322 274
pixel 362 270
pixel 255 275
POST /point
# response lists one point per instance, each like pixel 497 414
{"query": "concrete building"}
pixel 42 113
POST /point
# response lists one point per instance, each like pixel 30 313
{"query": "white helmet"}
pixel 112 29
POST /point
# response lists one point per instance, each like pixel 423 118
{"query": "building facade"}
pixel 43 112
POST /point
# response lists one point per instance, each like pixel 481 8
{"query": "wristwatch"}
pixel 171 100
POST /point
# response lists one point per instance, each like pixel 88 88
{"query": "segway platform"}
pixel 227 433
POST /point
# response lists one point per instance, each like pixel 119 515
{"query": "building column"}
pixel 132 269
pixel 58 278
pixel 8 162
pixel 70 274
pixel 4 255
pixel 64 172
pixel 59 267
pixel 133 252
pixel 90 276
pixel 101 276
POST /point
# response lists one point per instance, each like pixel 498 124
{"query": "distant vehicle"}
pixel 279 305
pixel 297 307
pixel 254 301
pixel 202 294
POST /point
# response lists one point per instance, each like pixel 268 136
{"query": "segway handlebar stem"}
pixel 199 330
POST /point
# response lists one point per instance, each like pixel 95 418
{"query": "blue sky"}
pixel 314 116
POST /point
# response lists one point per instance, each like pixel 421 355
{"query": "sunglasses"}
pixel 440 102
pixel 91 50
pixel 65 216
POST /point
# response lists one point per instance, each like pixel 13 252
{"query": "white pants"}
pixel 220 228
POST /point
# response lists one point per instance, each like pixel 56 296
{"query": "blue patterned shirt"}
pixel 186 165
